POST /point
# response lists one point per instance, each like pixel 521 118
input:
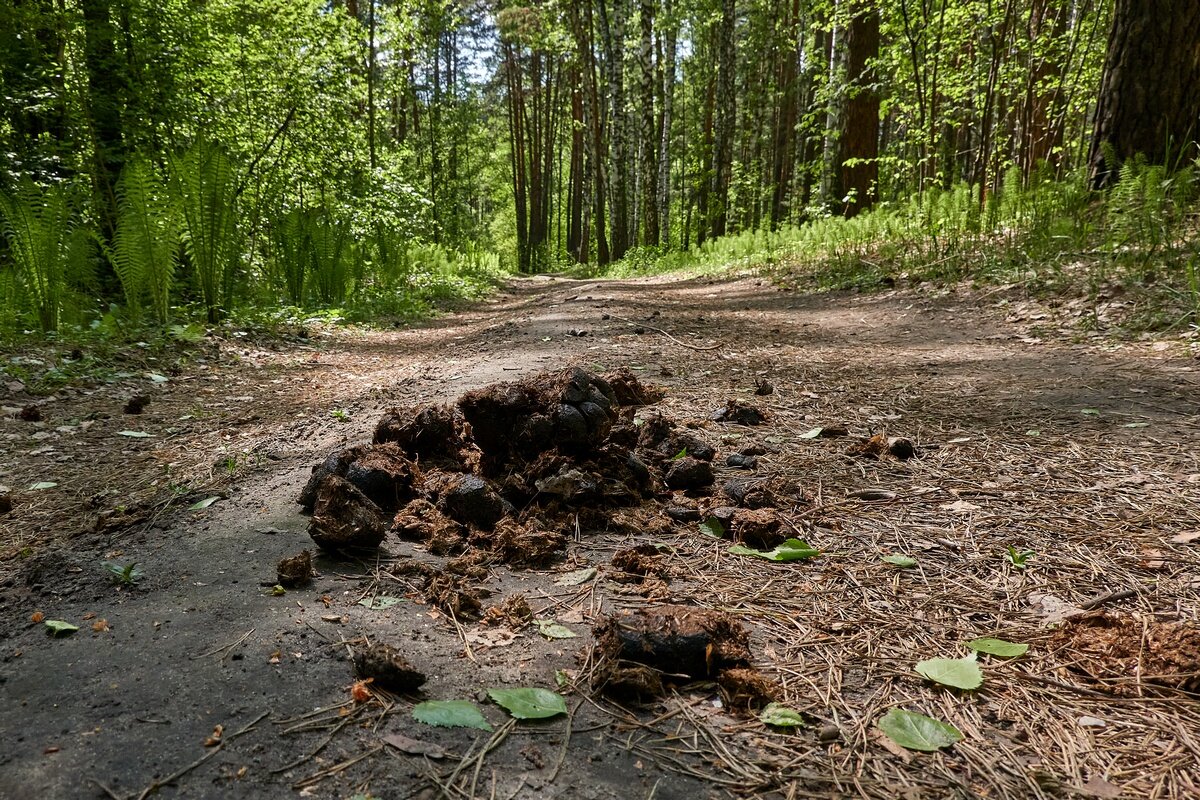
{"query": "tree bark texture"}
pixel 860 137
pixel 1149 100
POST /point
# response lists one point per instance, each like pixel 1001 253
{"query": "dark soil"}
pixel 455 532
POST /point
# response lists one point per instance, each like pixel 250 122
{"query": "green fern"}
pixel 146 241
pixel 328 242
pixel 291 248
pixel 204 182
pixel 38 225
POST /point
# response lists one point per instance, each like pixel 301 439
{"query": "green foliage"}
pixel 290 260
pixel 957 673
pixel 38 225
pixel 918 732
pixel 998 647
pixel 1018 557
pixel 529 702
pixel 146 241
pixel 123 574
pixel 57 627
pixel 450 714
pixel 204 181
pixel 780 716
pixel 789 550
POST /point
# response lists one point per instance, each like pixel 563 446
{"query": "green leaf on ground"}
pixel 380 602
pixel 127 574
pixel 203 504
pixel 781 716
pixel 450 714
pixel 1089 412
pixel 918 732
pixel 1018 558
pixel 998 647
pixel 530 702
pixel 59 628
pixel 790 550
pixel 1136 425
pixel 577 577
pixel 897 560
pixel 135 434
pixel 713 527
pixel 959 673
pixel 552 630
pixel 813 434
pixel 37 487
pixel 154 376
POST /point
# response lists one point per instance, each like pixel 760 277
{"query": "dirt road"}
pixel 1078 458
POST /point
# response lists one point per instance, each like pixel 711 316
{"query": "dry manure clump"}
pixel 387 669
pixel 345 517
pixel 639 653
pixel 635 564
pixel 1124 653
pixel 295 571
pixel 452 477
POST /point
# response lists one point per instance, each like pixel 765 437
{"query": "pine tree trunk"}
pixel 784 136
pixel 1149 100
pixel 667 71
pixel 575 191
pixel 725 117
pixel 860 134
pixel 649 145
pixel 613 31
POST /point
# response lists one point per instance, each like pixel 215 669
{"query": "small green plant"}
pixel 340 414
pixel 1018 558
pixel 123 574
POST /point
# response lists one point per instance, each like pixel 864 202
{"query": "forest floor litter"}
pixel 770 545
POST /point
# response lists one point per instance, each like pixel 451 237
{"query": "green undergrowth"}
pixel 1049 236
pixel 188 246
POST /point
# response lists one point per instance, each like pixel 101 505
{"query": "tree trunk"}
pixel 649 145
pixel 106 84
pixel 1149 100
pixel 667 71
pixel 860 136
pixel 726 116
pixel 575 191
pixel 613 31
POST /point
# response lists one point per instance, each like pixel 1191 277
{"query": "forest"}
pixel 177 160
pixel 600 399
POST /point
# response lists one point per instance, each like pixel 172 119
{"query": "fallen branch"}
pixel 716 346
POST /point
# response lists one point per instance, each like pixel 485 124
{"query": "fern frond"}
pixel 204 182
pixel 38 223
pixel 146 240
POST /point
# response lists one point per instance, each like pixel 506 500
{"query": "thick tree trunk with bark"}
pixel 1150 96
pixel 860 136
